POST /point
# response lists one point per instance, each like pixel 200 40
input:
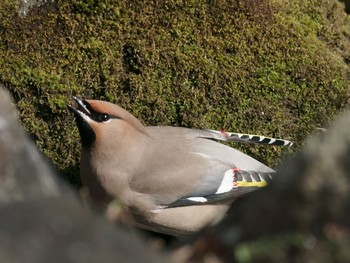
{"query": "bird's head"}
pixel 98 119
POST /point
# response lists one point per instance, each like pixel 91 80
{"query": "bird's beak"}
pixel 82 108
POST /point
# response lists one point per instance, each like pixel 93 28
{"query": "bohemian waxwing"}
pixel 173 180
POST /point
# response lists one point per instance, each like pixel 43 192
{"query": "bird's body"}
pixel 173 180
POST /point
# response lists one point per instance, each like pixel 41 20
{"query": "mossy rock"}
pixel 277 68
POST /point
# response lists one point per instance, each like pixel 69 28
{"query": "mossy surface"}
pixel 279 68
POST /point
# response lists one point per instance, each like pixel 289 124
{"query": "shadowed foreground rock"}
pixel 24 175
pixel 303 216
pixel 41 219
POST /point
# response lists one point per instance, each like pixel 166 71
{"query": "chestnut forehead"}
pixel 102 106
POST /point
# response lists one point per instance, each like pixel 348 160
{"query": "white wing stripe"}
pixel 272 141
pixel 226 183
pixel 198 199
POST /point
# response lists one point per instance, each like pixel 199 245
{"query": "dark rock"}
pixel 303 216
pixel 42 219
pixel 24 175
pixel 59 230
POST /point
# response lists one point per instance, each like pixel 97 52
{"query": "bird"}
pixel 172 180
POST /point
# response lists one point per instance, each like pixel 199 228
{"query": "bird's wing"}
pixel 233 184
pixel 192 168
pixel 222 135
pixel 226 174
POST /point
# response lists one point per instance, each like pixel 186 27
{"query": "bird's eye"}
pixel 103 117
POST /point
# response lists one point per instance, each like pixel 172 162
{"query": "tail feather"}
pixel 250 138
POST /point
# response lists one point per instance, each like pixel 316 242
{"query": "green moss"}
pixel 298 247
pixel 275 68
pixel 269 248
